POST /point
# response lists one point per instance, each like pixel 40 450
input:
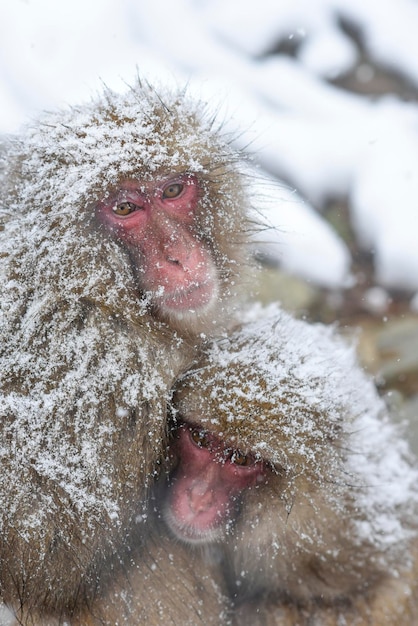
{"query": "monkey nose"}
pixel 173 260
pixel 201 497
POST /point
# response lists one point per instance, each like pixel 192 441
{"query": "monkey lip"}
pixel 196 536
pixel 198 532
pixel 195 297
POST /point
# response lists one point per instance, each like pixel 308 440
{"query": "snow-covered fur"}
pixel 85 367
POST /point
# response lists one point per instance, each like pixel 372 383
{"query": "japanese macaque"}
pixel 289 465
pixel 123 235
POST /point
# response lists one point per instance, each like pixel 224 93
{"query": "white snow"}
pixel 304 243
pixel 323 141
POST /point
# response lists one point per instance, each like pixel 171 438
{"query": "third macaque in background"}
pixel 289 465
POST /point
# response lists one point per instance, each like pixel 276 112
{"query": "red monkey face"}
pixel 156 222
pixel 204 490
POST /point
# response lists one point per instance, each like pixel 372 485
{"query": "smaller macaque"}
pixel 290 468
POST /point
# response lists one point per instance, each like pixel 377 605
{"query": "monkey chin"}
pixel 192 534
pixel 192 308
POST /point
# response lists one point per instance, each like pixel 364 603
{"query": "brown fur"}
pixel 165 583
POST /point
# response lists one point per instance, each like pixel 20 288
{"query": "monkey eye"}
pixel 124 208
pixel 200 437
pixel 173 190
pixel 239 458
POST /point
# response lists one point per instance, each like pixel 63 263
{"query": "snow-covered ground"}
pixel 321 140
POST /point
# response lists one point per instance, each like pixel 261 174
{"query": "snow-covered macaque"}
pixel 329 535
pixel 123 235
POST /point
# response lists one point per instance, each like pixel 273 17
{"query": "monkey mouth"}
pixel 193 534
pixel 197 297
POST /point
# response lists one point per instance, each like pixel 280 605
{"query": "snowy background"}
pixel 276 70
